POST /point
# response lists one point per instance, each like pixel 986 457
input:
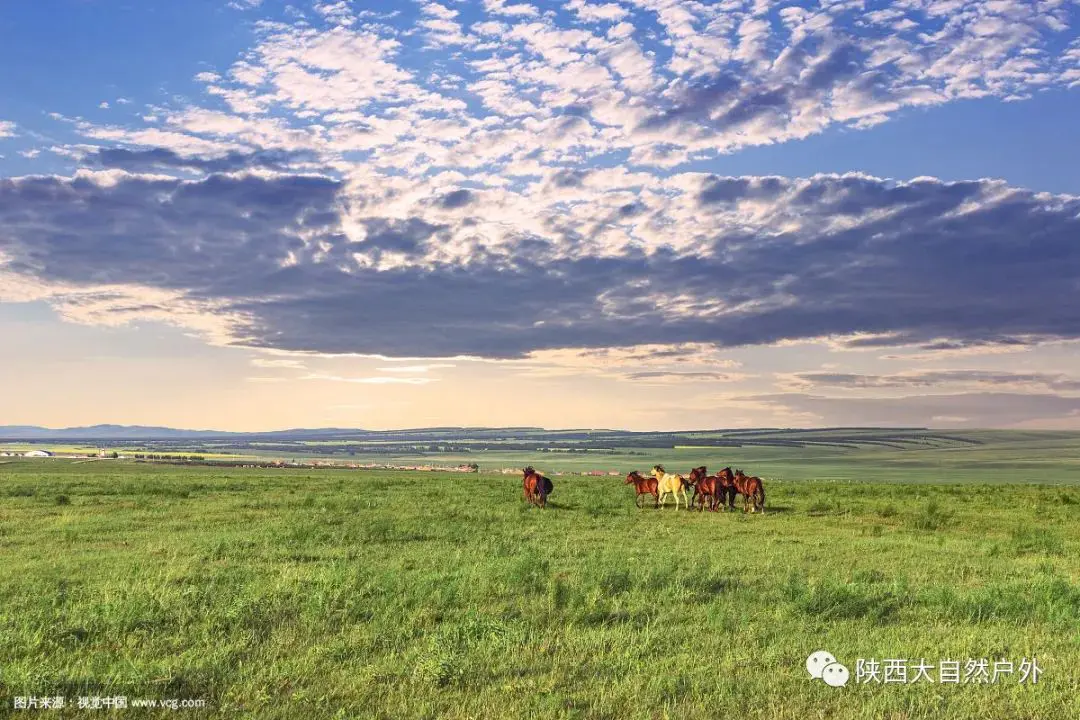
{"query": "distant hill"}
pixel 144 432
pixel 525 434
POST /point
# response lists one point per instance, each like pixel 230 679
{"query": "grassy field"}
pixel 342 594
pixel 984 457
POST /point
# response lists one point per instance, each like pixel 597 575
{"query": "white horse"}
pixel 670 484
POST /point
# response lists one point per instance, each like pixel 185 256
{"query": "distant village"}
pixel 49 454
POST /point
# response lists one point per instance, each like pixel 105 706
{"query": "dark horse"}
pixel 714 487
pixel 752 490
pixel 643 486
pixel 536 487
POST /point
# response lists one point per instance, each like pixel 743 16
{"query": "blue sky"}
pixel 749 212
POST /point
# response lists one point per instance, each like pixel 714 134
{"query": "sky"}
pixel 635 214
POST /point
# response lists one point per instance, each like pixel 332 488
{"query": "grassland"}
pixel 341 594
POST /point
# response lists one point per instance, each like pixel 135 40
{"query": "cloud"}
pixel 342 187
pixel 597 12
pixel 670 83
pixel 374 380
pixel 136 161
pixel 314 263
pixel 415 368
pixel 973 410
pixel 278 363
pixel 501 7
pixel 932 378
pixel 665 377
pixel 7 129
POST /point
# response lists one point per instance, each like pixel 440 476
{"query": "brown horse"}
pixel 702 487
pixel 752 490
pixel 727 488
pixel 644 486
pixel 715 487
pixel 536 487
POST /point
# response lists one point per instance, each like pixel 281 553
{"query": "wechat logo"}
pixel 823 666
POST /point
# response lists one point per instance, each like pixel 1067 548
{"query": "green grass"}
pixel 336 594
pixel 986 456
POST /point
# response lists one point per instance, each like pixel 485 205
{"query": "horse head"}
pixel 528 471
pixel 632 476
pixel 658 470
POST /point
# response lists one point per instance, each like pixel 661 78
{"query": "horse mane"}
pixel 528 470
pixel 660 468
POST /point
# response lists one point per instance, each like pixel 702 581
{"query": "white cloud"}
pixel 416 368
pixel 597 12
pixel 374 380
pixel 500 7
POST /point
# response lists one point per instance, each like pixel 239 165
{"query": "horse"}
pixel 670 484
pixel 727 488
pixel 644 486
pixel 699 481
pixel 715 487
pixel 536 487
pixel 752 490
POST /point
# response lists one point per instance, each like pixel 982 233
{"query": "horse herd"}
pixel 717 490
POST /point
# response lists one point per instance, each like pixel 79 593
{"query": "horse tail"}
pixel 761 495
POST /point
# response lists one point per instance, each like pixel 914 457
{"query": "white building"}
pixel 38 453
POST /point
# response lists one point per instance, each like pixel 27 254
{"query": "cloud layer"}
pixel 313 263
pixel 503 178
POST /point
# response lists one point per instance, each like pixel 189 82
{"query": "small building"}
pixel 38 453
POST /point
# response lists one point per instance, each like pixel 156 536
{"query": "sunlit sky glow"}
pixel 641 214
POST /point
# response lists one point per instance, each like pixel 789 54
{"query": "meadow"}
pixel 353 594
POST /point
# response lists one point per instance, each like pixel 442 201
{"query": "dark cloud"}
pixel 694 100
pixel 717 190
pixel 456 199
pixel 964 263
pixel 567 178
pixel 726 103
pixel 163 159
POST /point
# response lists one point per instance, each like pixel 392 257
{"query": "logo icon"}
pixel 822 665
